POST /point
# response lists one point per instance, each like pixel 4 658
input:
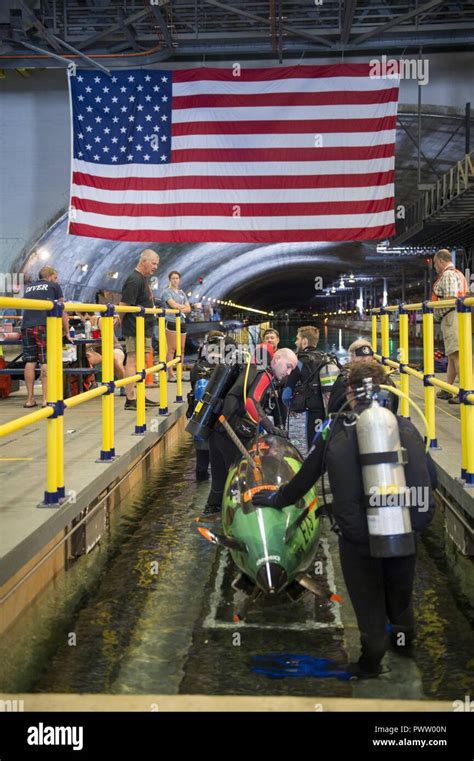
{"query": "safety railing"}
pixel 453 184
pixel 465 391
pixel 56 404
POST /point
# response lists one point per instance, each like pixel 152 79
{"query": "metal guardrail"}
pixel 465 390
pixel 452 185
pixel 57 405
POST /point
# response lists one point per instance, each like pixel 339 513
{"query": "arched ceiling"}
pixel 270 277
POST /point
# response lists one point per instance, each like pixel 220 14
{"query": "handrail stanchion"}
pixel 107 453
pixel 60 406
pixel 385 336
pixel 403 360
pixel 179 366
pixel 466 387
pixel 374 333
pixel 140 426
pixel 428 373
pixel 53 331
pixel 162 349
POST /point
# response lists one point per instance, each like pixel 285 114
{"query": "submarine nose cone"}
pixel 272 577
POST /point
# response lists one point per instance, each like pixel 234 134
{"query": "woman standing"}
pixel 174 298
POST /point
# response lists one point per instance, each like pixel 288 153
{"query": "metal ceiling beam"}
pixel 45 33
pixel 49 53
pixel 349 11
pixel 128 32
pixel 160 20
pixel 84 57
pixel 267 22
pixel 115 27
pixel 398 20
pixel 405 129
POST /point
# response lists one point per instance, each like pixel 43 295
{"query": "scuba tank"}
pixel 199 390
pixel 383 476
pixel 208 409
pixel 328 375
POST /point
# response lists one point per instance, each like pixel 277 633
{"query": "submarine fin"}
pixel 290 531
pixel 224 541
pixel 308 582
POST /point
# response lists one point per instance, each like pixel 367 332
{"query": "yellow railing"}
pixel 56 404
pixel 430 382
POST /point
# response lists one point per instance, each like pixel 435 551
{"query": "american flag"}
pixel 301 153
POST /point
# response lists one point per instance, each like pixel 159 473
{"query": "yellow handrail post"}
pixel 162 348
pixel 60 401
pixel 374 333
pixel 403 350
pixel 466 387
pixel 385 336
pixel 53 359
pixel 428 372
pixel 140 426
pixel 107 453
pixel 179 366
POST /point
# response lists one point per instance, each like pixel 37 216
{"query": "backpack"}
pixel 307 393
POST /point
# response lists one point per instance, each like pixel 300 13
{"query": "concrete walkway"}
pixel 26 528
pixel 448 433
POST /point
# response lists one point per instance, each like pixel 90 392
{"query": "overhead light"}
pixel 190 293
pixel 84 267
pixel 351 278
pixel 113 275
pixel 43 254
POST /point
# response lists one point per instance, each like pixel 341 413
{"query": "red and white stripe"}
pixel 245 166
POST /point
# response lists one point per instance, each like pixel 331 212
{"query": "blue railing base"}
pixel 51 499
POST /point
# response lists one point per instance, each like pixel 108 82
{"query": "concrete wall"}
pixel 35 141
pixel 34 158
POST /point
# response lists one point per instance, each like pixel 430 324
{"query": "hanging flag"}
pixel 301 153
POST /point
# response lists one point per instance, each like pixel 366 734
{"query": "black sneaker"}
pixel 130 404
pixel 151 403
pixel 202 476
pixel 445 395
pixel 211 510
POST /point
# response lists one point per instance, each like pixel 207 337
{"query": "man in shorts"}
pixel 449 284
pixel 33 330
pixel 136 291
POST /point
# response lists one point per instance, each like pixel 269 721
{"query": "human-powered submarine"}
pixel 274 549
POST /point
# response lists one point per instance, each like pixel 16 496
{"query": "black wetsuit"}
pixel 306 377
pixel 380 588
pixel 223 452
pixel 338 394
pixel 201 369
